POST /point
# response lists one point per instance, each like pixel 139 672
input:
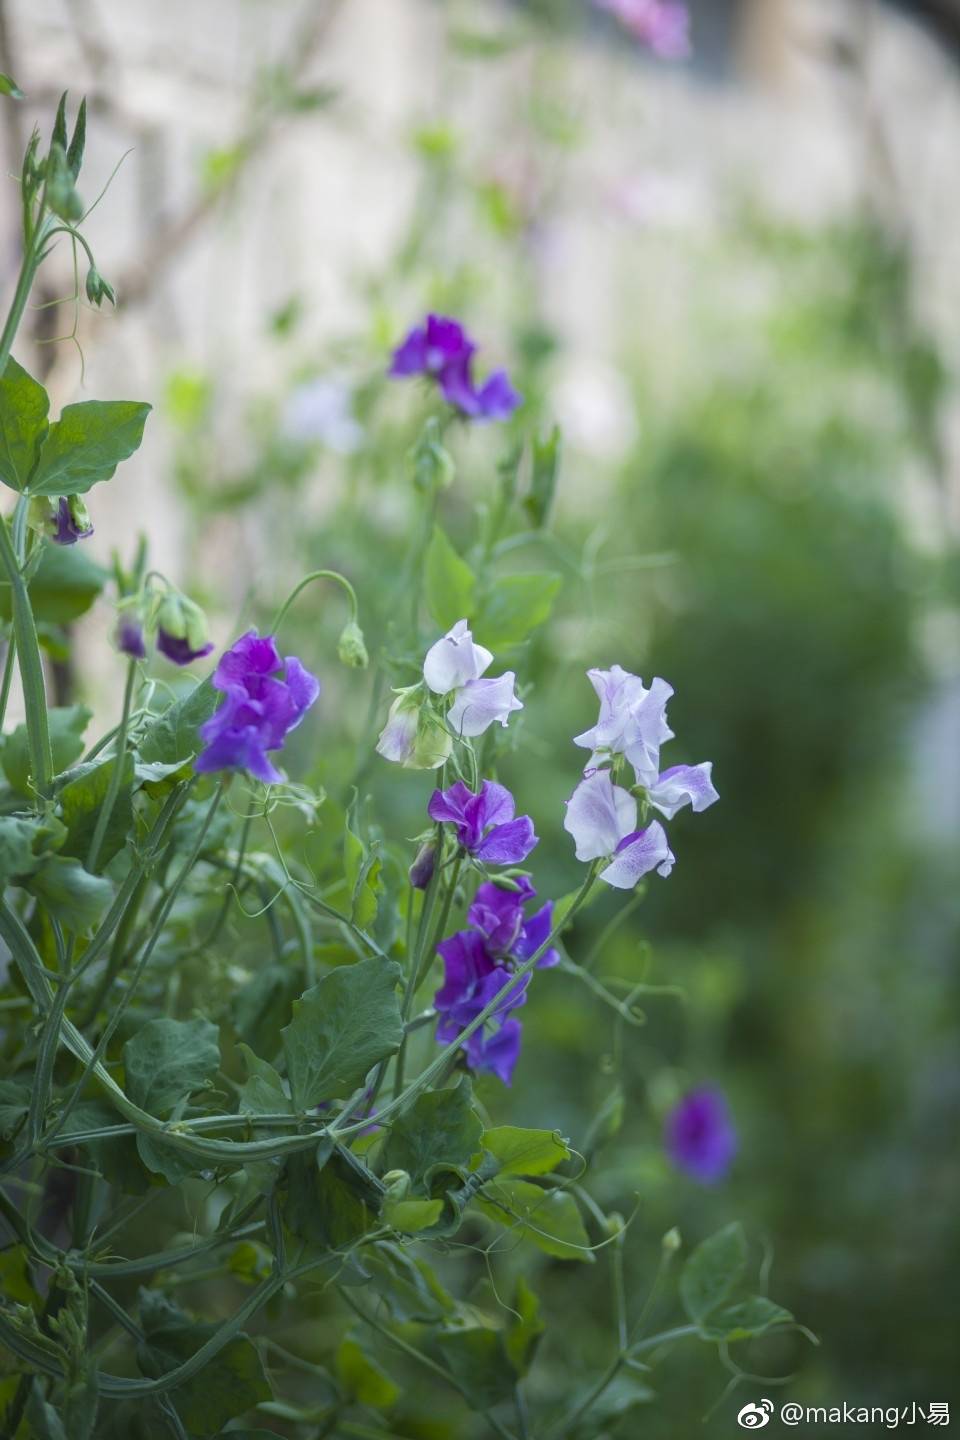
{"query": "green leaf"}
pixel 525 1329
pixel 543 481
pixel 548 1218
pixel 743 1318
pixel 440 1128
pixel 81 802
pixel 525 1152
pixel 116 1159
pixel 324 1201
pixel 87 444
pixel 230 1384
pixel 66 725
pixel 24 406
pixel 514 608
pixel 262 1007
pixel 71 894
pixel 624 1393
pixel 14 1104
pixel 713 1271
pixel 449 583
pixel 340 1028
pixel 406 1285
pixel 477 1359
pixel 172 738
pixel 263 1094
pixel 412 1216
pixel 25 844
pixel 62 587
pixel 363 1379
pixel 362 874
pixel 10 87
pixel 167 1060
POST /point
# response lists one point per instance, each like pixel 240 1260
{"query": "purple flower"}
pixel 497 913
pixel 663 26
pixel 700 1137
pixel 181 629
pixel 72 522
pixel 683 785
pixel 424 864
pixel 485 822
pixel 442 350
pixel 259 710
pixel 602 818
pixel 472 979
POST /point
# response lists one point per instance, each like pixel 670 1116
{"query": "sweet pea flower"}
pixel 471 981
pixel 632 721
pixel 455 660
pixel 413 736
pixel 485 822
pixel 259 709
pixel 453 666
pixel 481 703
pixel 129 637
pixel 700 1137
pixel 663 26
pixel 442 350
pixel 182 629
pixel 602 818
pixel 498 915
pixel 683 785
pixel 64 520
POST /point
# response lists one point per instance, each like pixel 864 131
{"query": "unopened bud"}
pixel 421 871
pixel 98 289
pixel 671 1242
pixel 351 647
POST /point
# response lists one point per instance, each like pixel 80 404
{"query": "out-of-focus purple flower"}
pixel 179 649
pixel 129 637
pixel 260 707
pixel 485 822
pixel 454 660
pixel 442 350
pixel 632 721
pixel 663 26
pixel 602 818
pixel 181 629
pixel 472 979
pixel 683 785
pixel 700 1136
pixel 481 703
pixel 73 521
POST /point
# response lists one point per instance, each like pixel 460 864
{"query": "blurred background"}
pixel 731 280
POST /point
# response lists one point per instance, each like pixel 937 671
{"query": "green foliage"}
pixel 549 1219
pixel 167 1060
pixel 439 1130
pixel 450 584
pixel 515 607
pixel 172 738
pixel 340 1028
pixel 67 725
pixel 86 445
pixel 63 586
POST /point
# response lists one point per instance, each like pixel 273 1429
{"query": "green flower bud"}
pixel 98 289
pixel 61 195
pixel 181 628
pixel 397 1183
pixel 431 464
pixel 351 647
pixel 671 1242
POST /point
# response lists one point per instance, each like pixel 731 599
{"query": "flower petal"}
pixel 599 814
pixel 639 853
pixel 481 702
pixel 508 844
pixel 454 660
pixel 683 785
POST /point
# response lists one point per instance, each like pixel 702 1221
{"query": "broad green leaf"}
pixel 263 1094
pixel 340 1028
pixel 440 1128
pixel 362 873
pixel 262 1007
pixel 412 1216
pixel 172 738
pixel 70 893
pixel 543 481
pixel 81 802
pixel 323 1201
pixel 24 405
pixel 523 1333
pixel 713 1271
pixel 167 1060
pixel 525 1152
pixel 743 1318
pixel 231 1383
pixel 25 844
pixel 167 1160
pixel 622 1395
pixel 406 1285
pixel 548 1218
pixel 449 583
pixel 476 1358
pixel 66 725
pixel 363 1379
pixel 62 587
pixel 116 1159
pixel 514 608
pixel 87 444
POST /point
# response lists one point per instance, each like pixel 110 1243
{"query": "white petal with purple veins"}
pixel 454 660
pixel 481 702
pixel 683 785
pixel 599 815
pixel 649 851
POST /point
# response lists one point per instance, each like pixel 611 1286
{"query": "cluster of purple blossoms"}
pixel 602 816
pixel 442 350
pixel 261 706
pixel 700 1137
pixel 415 735
pixel 478 963
pixel 663 26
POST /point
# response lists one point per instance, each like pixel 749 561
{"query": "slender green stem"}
pixel 116 773
pixel 423 959
pixel 334 575
pixel 31 667
pixel 9 661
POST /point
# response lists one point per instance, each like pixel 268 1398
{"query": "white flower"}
pixel 481 702
pixel 454 660
pixel 683 785
pixel 632 721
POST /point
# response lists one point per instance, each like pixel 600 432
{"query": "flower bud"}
pixel 181 629
pixel 397 1183
pixel 98 289
pixel 671 1242
pixel 65 520
pixel 128 635
pixel 61 195
pixel 431 464
pixel 351 647
pixel 421 871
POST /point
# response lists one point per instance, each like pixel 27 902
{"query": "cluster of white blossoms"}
pixel 602 816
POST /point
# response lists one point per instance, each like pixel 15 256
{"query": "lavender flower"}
pixel 683 785
pixel 181 629
pixel 700 1137
pixel 442 350
pixel 425 862
pixel 602 818
pixel 129 637
pixel 485 822
pixel 663 26
pixel 64 521
pixel 259 710
pixel 480 703
pixel 454 660
pixel 632 721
